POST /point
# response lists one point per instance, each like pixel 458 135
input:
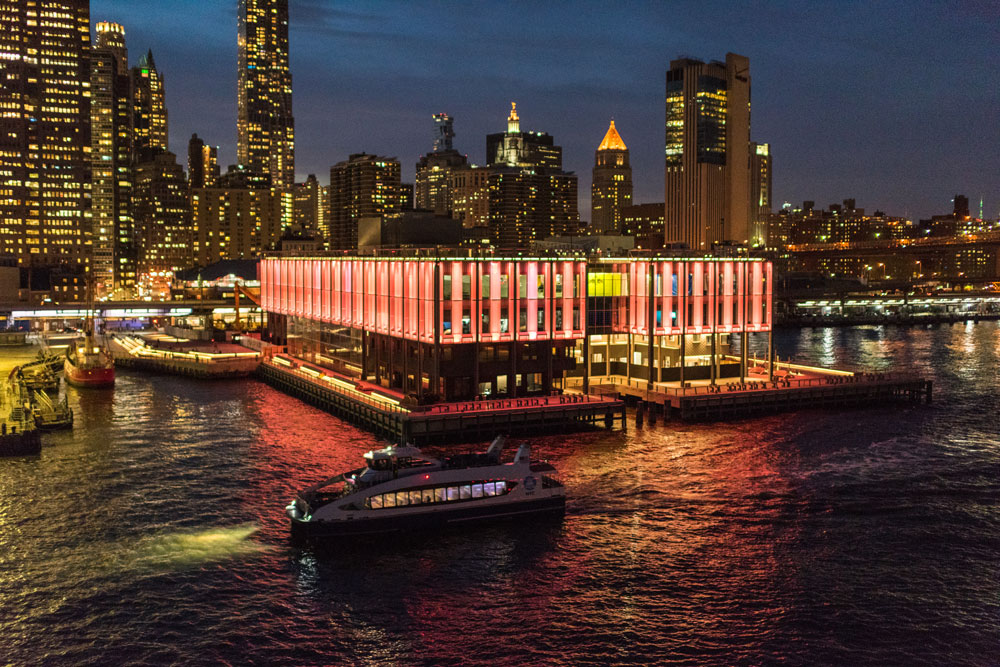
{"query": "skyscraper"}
pixel 45 205
pixel 307 214
pixel 363 186
pixel 149 109
pixel 432 184
pixel 707 193
pixel 611 188
pixel 266 142
pixel 530 197
pixel 113 264
pixel 760 192
pixel 164 233
pixel 203 163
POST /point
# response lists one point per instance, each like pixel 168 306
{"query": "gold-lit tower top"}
pixel 612 140
pixel 513 122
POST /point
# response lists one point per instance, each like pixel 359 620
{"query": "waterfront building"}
pixel 149 109
pixel 611 188
pixel 469 190
pixel 45 137
pixel 363 186
pixel 203 164
pixel 266 128
pixel 237 223
pixel 164 233
pixel 113 263
pixel 707 180
pixel 530 196
pixel 760 193
pixel 453 328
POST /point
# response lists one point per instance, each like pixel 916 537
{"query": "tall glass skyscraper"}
pixel 266 142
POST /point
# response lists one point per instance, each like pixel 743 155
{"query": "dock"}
pixel 384 411
pixel 796 388
pixel 160 353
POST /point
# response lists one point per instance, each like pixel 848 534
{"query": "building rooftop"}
pixel 612 140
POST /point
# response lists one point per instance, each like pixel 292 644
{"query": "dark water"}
pixel 153 533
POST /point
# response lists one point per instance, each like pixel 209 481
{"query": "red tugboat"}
pixel 88 363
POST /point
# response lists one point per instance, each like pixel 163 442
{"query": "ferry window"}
pixel 501 488
pixel 452 493
pixel 402 499
pixel 428 496
pixel 477 490
pixel 376 502
pixel 439 495
pixel 488 489
pixel 389 500
pixel 466 492
pixel 415 498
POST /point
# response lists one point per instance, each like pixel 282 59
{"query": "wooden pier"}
pixel 756 397
pixel 455 422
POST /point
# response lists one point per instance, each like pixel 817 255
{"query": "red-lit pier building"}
pixel 452 328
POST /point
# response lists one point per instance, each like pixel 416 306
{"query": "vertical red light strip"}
pixel 495 303
pixel 758 292
pixel 727 296
pixel 697 298
pixel 768 295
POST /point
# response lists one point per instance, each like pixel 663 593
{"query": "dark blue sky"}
pixel 893 103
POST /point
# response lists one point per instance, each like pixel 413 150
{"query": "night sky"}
pixel 892 103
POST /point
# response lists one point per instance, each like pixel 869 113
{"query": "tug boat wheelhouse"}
pixel 400 489
pixel 88 364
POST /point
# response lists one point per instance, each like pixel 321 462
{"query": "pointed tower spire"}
pixel 612 140
pixel 513 122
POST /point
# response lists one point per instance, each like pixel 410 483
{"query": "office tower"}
pixel 644 223
pixel 45 206
pixel 363 186
pixel 149 109
pixel 266 142
pixel 760 192
pixel 707 192
pixel 431 188
pixel 961 208
pixel 611 188
pixel 307 216
pixel 469 189
pixel 203 163
pixel 113 265
pixel 530 197
pixel 164 232
pixel 236 223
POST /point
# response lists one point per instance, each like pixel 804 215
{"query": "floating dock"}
pixel 382 411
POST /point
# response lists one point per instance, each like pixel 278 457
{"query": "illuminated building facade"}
pixel 113 264
pixel 307 217
pixel 266 128
pixel 469 189
pixel 530 197
pixel 363 186
pixel 760 192
pixel 707 189
pixel 45 138
pixel 442 328
pixel 164 232
pixel 203 163
pixel 149 109
pixel 644 223
pixel 611 187
pixel 237 223
pixel 432 187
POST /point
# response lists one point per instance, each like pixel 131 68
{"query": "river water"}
pixel 154 533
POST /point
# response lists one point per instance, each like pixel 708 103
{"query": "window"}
pixel 477 490
pixel 504 291
pixel 466 287
pixel 522 320
pixel 427 496
pixel 465 492
pixel 489 489
pixel 415 497
pixel 501 488
pixel 446 291
pixel 559 291
pixel 522 287
pixel 541 286
pixel 402 499
pixel 439 496
pixel 375 502
pixel 389 500
pixel 486 287
pixel 452 493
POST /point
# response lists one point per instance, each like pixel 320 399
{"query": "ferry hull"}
pixel 93 377
pixel 401 524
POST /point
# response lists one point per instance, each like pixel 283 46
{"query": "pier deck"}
pixel 166 354
pixel 383 411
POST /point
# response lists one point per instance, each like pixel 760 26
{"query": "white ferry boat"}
pixel 400 490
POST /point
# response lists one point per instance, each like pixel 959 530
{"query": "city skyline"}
pixel 836 105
